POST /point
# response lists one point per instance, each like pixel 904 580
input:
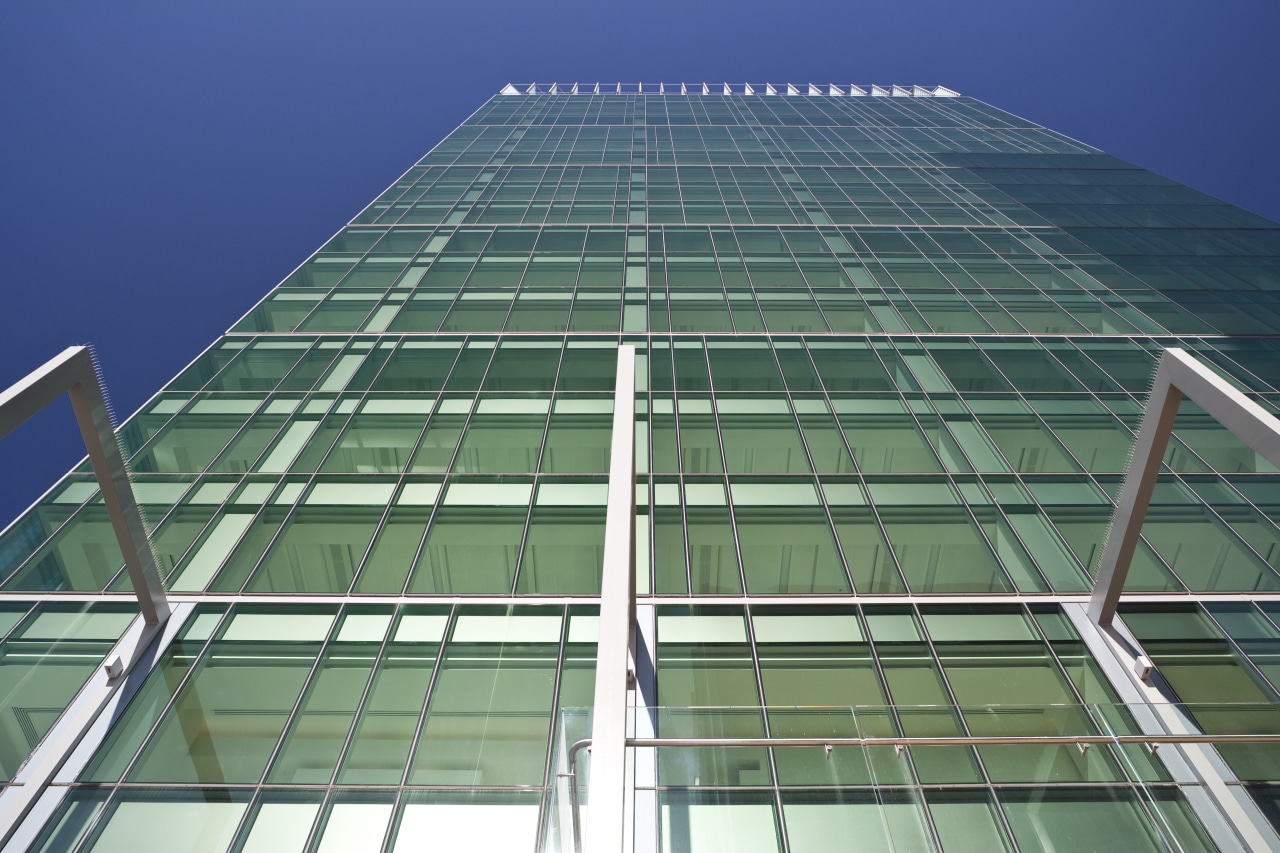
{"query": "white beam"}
pixel 1178 374
pixel 606 800
pixel 73 372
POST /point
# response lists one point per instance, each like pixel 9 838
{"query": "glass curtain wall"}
pixel 892 347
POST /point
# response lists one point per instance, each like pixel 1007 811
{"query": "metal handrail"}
pixel 1152 742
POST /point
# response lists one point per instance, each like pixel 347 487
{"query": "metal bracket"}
pixel 1178 374
pixel 73 372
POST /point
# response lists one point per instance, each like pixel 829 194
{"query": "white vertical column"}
pixel 606 792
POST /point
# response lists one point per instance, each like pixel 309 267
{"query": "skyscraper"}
pixel 880 353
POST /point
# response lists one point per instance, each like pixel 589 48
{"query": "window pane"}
pixel 489 717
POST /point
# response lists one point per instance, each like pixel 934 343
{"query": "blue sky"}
pixel 164 164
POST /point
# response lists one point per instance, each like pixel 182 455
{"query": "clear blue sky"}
pixel 164 164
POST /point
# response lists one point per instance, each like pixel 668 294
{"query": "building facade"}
pixel 884 354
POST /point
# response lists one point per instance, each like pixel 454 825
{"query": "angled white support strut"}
pixel 606 794
pixel 1178 374
pixel 72 372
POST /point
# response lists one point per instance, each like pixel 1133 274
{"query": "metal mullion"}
pixel 1267 617
pixel 165 517
pixel 915 169
pixel 324 298
pixel 775 787
pixel 1248 662
pixel 318 823
pixel 973 518
pixel 302 692
pixel 400 478
pixel 679 472
pixel 315 340
pixel 430 518
pixel 1017 474
pixel 548 784
pixel 915 785
pixel 168 424
pixel 573 201
pixel 393 828
pixel 537 474
pixel 724 467
pixel 551 407
pixel 359 397
pixel 883 681
pixel 198 661
pixel 445 641
pixel 1021 396
pixel 290 513
pixel 724 291
pixel 958 291
pixel 927 817
pixel 113 796
pixel 1094 394
pixel 374 671
pixel 1134 782
pixel 813 469
pixel 475 399
pixel 1241 542
pixel 998 508
pixel 964 403
pixel 242 826
pixel 676 166
pixel 875 512
pixel 876 170
pixel 998 299
pixel 788 156
pixel 260 410
pixel 1197 343
pixel 942 675
pixel 52 534
pixel 831 518
pixel 573 293
pixel 807 286
pixel 520 290
pixel 22 621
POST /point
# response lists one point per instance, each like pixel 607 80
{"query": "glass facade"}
pixel 892 348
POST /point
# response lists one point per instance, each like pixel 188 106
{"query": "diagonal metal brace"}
pixel 72 372
pixel 1178 374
